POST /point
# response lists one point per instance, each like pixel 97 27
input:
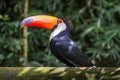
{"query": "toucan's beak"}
pixel 40 21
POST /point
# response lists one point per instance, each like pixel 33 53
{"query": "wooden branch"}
pixel 60 73
pixel 25 34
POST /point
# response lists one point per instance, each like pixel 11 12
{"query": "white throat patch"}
pixel 61 27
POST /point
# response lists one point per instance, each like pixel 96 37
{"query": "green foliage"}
pixel 94 24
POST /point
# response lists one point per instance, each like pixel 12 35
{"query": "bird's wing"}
pixel 69 51
pixel 56 52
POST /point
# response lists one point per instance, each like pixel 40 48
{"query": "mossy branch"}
pixel 60 73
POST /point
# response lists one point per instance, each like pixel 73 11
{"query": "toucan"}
pixel 61 45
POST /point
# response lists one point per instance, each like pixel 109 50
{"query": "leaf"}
pixel 10 55
pixel 90 29
pixel 2 56
pixel 35 63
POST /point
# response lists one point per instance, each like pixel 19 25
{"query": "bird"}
pixel 61 45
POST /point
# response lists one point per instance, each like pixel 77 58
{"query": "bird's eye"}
pixel 60 20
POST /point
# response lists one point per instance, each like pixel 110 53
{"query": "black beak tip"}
pixel 25 21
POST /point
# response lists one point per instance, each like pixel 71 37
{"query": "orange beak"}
pixel 40 21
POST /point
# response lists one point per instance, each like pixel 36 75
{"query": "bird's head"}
pixel 41 21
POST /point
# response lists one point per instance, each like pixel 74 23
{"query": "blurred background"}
pixel 95 27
